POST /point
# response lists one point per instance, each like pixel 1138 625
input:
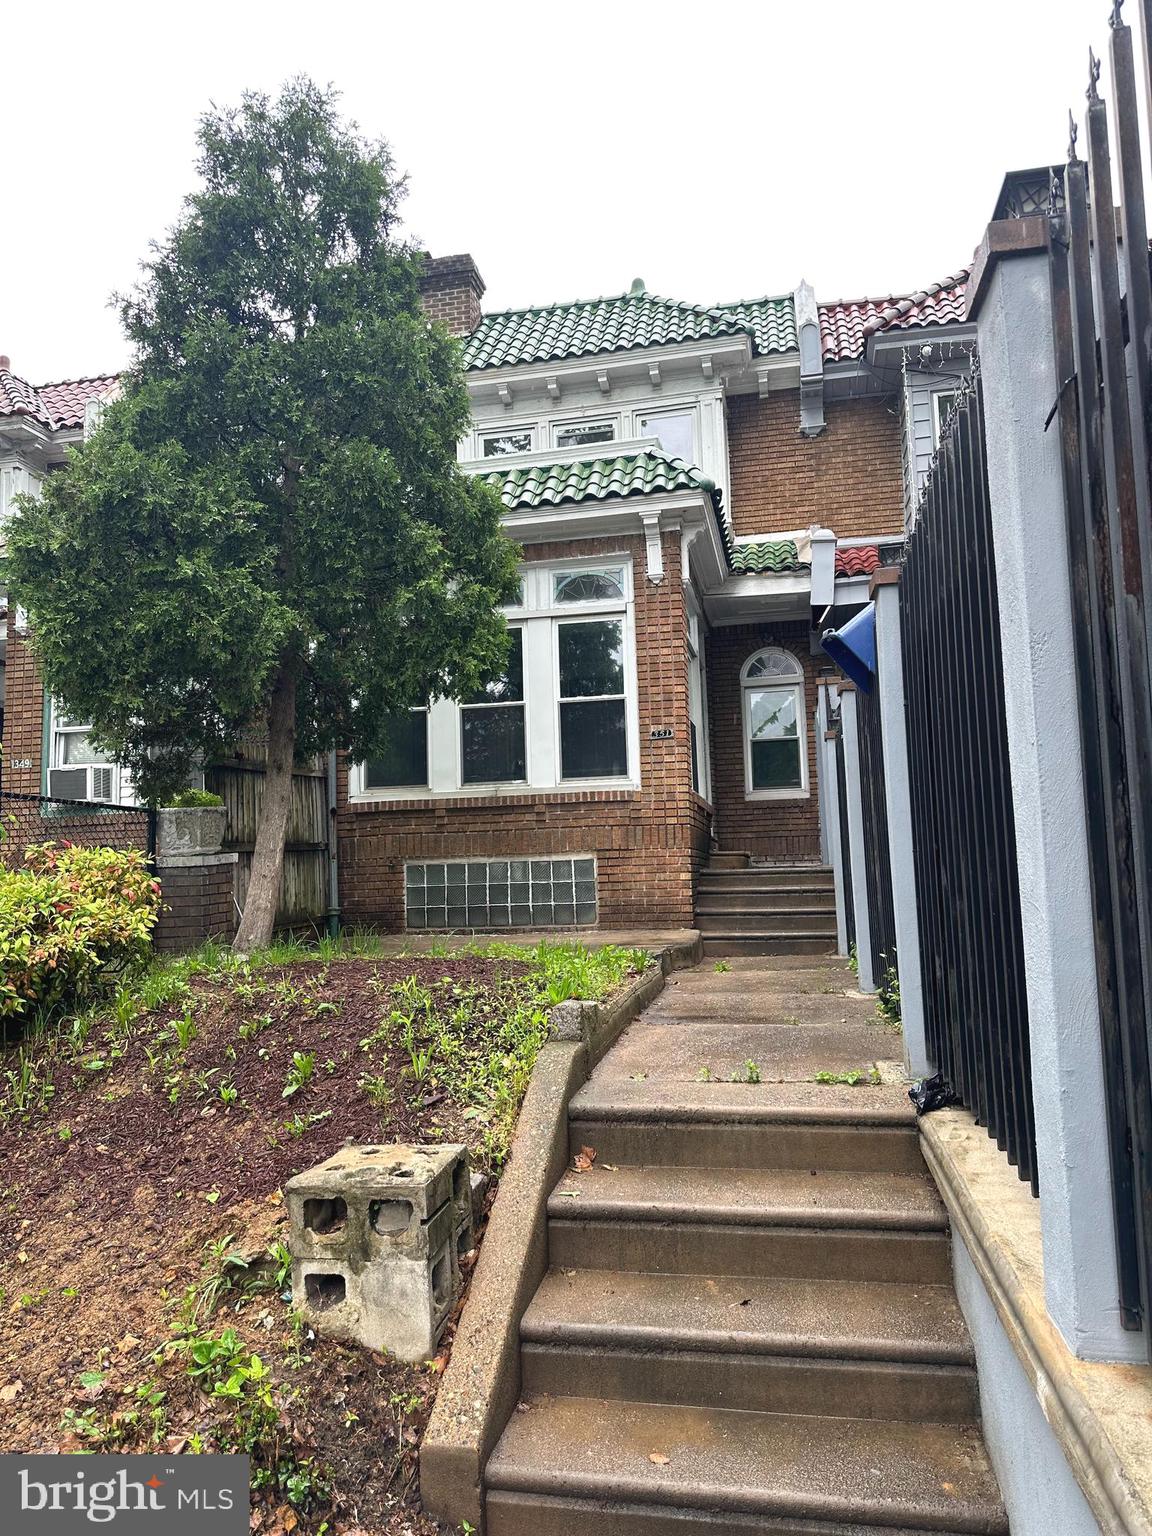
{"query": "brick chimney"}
pixel 452 288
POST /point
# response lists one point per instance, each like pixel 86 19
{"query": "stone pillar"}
pixel 850 726
pixel 1010 301
pixel 885 594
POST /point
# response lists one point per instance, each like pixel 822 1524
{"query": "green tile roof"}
pixel 620 323
pixel 774 556
pixel 630 474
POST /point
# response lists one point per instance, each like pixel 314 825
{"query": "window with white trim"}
pixel 581 434
pixel 775 743
pixel 942 403
pixel 492 736
pixel 495 445
pixel 77 769
pixel 675 429
pixel 402 762
pixel 564 711
pixel 698 711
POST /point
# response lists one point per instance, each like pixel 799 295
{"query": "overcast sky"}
pixel 719 150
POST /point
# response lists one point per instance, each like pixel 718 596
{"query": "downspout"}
pixel 333 912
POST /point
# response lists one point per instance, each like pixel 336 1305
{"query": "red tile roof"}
pixel 857 560
pixel 846 326
pixel 59 405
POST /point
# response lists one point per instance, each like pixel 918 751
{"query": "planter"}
pixel 190 829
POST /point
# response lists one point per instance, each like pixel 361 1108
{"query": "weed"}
pixel 853 960
pixel 183 1028
pixel 299 1073
pixel 227 1093
pixel 300 1124
pixel 704 1075
pixel 377 1089
pixel 888 996
pixel 751 1072
pixel 841 1079
pixel 721 966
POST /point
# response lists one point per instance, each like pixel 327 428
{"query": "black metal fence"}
pixel 1102 331
pixel 964 845
pixel 877 856
pixel 26 820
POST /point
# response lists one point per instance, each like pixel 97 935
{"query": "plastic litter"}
pixel 933 1093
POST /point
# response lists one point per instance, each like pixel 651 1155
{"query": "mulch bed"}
pixel 108 1198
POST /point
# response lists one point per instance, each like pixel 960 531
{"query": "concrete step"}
pixel 893 1351
pixel 726 861
pixel 757 1197
pixel 764 878
pixel 757 920
pixel 768 898
pixel 717 944
pixel 804 1473
pixel 707 1129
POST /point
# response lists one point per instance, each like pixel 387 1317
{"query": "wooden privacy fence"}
pixel 239 782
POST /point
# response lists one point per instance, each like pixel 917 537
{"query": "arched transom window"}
pixel 775 749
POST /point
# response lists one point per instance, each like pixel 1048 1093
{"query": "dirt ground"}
pixel 139 1156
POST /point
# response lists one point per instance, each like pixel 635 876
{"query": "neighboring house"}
pixel 699 491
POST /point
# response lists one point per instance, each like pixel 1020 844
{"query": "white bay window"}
pixel 563 713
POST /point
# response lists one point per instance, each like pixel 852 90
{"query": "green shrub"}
pixel 69 918
pixel 192 800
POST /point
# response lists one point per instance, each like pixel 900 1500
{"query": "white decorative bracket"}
pixel 604 382
pixel 653 547
pixel 765 389
pixel 552 385
pixel 505 395
pixel 706 367
pixel 654 374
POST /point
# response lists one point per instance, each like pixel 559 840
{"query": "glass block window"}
pixel 501 893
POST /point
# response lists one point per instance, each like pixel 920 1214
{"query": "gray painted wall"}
pixel 1040 1493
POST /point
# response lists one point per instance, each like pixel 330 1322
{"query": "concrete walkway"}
pixel 791 1016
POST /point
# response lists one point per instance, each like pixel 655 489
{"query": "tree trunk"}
pixel 259 917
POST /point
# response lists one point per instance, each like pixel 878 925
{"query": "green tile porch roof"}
pixel 619 324
pixel 604 479
pixel 775 557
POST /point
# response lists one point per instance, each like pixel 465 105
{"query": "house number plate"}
pixel 661 733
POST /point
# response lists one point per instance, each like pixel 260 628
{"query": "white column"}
pixel 852 778
pixel 890 681
pixel 820 726
pixel 835 852
pixel 1027 505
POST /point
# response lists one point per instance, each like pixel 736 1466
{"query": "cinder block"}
pixel 376 1235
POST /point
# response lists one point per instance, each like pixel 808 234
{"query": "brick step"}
pixel 711 919
pixel 730 1135
pixel 769 877
pixel 800 1472
pixel 716 944
pixel 894 1351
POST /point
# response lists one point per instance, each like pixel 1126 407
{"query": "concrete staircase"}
pixel 765 909
pixel 748 1327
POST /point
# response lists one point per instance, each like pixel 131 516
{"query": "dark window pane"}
pixel 494 745
pixel 776 764
pixel 578 433
pixel 404 758
pixel 509 688
pixel 507 442
pixel 591 659
pixel 593 740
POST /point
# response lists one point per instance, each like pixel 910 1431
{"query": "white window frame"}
pixel 797 683
pixel 537 615
pixel 698 705
pixel 671 408
pixel 939 415
pixel 58 729
pixel 590 618
pixel 592 419
pixel 473 786
pixel 402 791
pixel 531 429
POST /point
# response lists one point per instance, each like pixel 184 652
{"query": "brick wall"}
pixel 773 829
pixel 848 479
pixel 198 903
pixel 452 289
pixel 23 715
pixel 648 842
